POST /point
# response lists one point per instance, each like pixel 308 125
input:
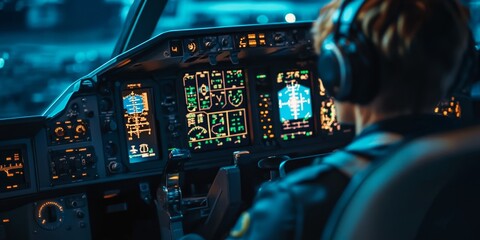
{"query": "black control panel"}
pixel 65 217
pixel 73 164
pixel 213 91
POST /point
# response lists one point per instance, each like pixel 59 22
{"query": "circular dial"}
pixel 59 131
pixel 198 133
pixel 49 215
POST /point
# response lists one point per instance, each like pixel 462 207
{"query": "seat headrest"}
pixel 390 199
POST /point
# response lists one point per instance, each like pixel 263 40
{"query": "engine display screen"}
pixel 294 104
pixel 12 170
pixel 216 104
pixel 328 113
pixel 138 113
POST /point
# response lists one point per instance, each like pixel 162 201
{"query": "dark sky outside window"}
pixel 45 45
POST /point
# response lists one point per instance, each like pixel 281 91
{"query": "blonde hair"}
pixel 412 44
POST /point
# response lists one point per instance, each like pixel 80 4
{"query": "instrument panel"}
pixel 212 91
pixel 12 169
pixel 217 110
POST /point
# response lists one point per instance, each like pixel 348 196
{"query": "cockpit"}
pixel 179 129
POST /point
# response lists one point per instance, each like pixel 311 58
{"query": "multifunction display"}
pixel 216 105
pixel 294 104
pixel 328 112
pixel 138 113
pixel 12 170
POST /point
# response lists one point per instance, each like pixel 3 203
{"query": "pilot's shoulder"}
pixel 316 176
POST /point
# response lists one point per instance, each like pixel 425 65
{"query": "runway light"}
pixel 290 18
pixel 262 19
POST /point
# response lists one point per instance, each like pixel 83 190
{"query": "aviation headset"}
pixel 347 61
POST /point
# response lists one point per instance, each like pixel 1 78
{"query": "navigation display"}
pixel 216 109
pixel 294 104
pixel 140 125
pixel 12 170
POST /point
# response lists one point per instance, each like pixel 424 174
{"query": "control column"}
pixel 169 195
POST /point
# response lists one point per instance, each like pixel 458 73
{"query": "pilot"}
pixel 387 63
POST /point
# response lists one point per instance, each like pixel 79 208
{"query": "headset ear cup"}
pixel 346 70
pixel 329 69
pixel 364 77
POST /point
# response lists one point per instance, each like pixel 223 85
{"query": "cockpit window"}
pixel 47 44
pixel 184 14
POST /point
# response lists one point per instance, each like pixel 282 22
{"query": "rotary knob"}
pixel 49 214
pixel 59 131
pixel 114 167
pixel 81 129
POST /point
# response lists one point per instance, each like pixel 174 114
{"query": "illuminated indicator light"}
pixel 82 149
pixel 252 43
pixel 44 221
pixel 84 174
pixel 69 150
pixel 9 159
pixel 9 187
pixel 265 136
pixel 124 62
pixel 290 18
pixel 192 47
pixel 68 122
pixel 266 105
pixel 261 76
pixel 134 85
pixel 55 177
pixel 6 220
pixel 251 36
pixel 264 127
pixel 15 186
pixel 242 42
pixel 261 35
pixel 173 177
pixel 272 136
pixel 262 42
pixel 110 195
